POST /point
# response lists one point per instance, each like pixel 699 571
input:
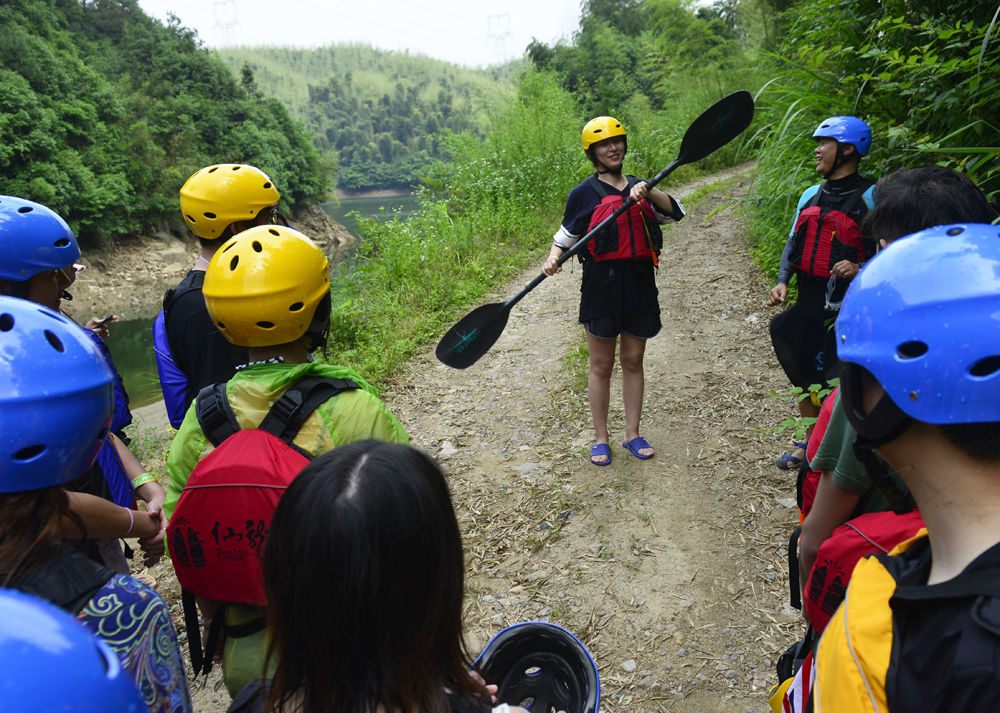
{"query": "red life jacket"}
pixel 824 236
pixel 628 237
pixel 866 534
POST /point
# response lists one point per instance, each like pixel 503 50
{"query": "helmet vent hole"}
pixel 532 671
pixel 265 325
pixel 220 325
pixel 257 247
pixel 234 262
pixel 213 169
pixel 61 242
pixel 25 209
pixel 274 232
pixel 210 216
pixel 29 452
pixel 229 247
pixel 267 185
pixel 54 341
pixel 911 350
pixel 527 703
pixel 296 307
pixel 190 218
pixel 6 322
pixel 955 231
pixel 986 367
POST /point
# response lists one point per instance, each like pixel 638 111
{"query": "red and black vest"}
pixel 828 233
pixel 634 235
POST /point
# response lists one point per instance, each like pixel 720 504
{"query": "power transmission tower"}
pixel 227 24
pixel 498 35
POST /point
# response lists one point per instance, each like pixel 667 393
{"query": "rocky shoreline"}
pixel 129 278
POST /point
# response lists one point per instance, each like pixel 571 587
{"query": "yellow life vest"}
pixel 854 653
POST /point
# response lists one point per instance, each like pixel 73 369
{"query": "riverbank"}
pixel 341 194
pixel 129 278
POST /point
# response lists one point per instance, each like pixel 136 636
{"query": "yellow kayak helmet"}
pixel 219 195
pixel 263 286
pixel 601 128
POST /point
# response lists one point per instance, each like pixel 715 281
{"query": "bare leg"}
pixel 807 410
pixel 633 385
pixel 602 360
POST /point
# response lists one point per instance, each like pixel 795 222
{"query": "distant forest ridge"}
pixel 374 115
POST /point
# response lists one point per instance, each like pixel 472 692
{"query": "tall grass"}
pixel 924 81
pixel 481 219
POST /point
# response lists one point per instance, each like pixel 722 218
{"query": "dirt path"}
pixel 670 570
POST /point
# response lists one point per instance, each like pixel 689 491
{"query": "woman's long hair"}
pixel 30 530
pixel 364 574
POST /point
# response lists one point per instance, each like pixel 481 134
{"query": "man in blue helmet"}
pixel 919 338
pixel 824 252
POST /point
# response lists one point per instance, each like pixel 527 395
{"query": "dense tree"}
pixel 104 112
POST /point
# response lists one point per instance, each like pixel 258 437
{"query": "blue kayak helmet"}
pixel 541 667
pixel 846 130
pixel 55 397
pixel 50 663
pixel 33 238
pixel 923 318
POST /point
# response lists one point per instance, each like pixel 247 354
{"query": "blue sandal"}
pixel 790 462
pixel 600 449
pixel 635 445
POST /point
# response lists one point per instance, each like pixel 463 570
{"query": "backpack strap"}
pixel 794 595
pixel 598 185
pixel 298 402
pixel 193 626
pixel 215 415
pixel 69 580
pixel 602 188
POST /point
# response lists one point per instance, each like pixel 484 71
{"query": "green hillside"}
pixel 375 114
pixel 105 111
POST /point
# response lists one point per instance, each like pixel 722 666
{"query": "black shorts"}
pixel 641 325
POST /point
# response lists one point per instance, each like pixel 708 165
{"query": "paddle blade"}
pixel 472 336
pixel 717 126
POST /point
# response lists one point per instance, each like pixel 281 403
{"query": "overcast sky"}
pixel 468 32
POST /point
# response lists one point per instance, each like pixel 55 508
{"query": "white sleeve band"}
pixel 564 239
pixel 501 708
pixel 662 217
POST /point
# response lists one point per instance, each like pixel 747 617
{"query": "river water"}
pixel 131 342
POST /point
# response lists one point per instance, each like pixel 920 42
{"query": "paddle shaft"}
pixel 578 245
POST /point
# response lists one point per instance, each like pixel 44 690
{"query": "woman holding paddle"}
pixel 618 299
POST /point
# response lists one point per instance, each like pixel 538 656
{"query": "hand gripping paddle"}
pixel 474 334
